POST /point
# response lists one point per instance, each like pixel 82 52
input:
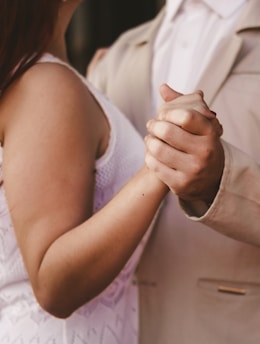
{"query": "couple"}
pixel 78 202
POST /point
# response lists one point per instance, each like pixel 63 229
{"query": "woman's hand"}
pixel 184 147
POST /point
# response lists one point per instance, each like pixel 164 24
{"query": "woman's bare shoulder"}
pixel 53 78
pixel 47 88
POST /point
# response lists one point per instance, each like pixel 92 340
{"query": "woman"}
pixel 67 256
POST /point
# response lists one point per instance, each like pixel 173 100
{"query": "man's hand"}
pixel 184 147
pixel 99 54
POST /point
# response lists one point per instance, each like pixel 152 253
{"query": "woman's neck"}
pixel 58 48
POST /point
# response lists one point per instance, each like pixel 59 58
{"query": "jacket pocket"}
pixel 229 311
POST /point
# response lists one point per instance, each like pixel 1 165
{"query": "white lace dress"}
pixel 112 317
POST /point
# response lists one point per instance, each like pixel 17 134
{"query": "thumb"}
pixel 167 93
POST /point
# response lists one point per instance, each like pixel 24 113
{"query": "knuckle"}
pixel 163 111
pixel 206 153
pixel 155 147
pixel 167 132
pixel 198 165
pixel 197 96
pixel 205 161
pixel 163 130
pixel 196 168
pixel 188 117
pixel 183 185
pixel 151 163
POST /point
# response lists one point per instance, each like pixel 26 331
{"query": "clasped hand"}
pixel 183 146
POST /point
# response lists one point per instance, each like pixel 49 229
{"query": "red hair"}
pixel 26 28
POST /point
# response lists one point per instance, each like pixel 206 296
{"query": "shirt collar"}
pixel 224 8
pixel 172 7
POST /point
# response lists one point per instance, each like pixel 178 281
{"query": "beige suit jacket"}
pixel 189 262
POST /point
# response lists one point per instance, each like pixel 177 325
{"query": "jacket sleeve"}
pixel 235 211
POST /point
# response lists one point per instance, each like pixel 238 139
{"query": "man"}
pixel 199 277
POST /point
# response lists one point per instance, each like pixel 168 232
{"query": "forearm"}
pixel 85 260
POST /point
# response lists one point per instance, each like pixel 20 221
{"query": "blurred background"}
pixel 97 23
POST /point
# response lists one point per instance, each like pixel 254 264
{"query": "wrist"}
pixel 153 183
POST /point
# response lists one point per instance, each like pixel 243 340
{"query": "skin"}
pixel 184 147
pixel 52 131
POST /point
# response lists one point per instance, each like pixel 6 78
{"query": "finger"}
pixel 200 92
pixel 173 146
pixel 189 176
pixel 99 54
pixel 167 93
pixel 167 154
pixel 217 126
pixel 193 101
pixel 166 174
pixel 174 179
pixel 190 121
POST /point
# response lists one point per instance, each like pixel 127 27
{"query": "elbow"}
pixel 62 297
pixel 57 312
pixel 54 304
pixel 55 309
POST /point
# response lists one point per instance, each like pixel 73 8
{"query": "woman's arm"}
pixel 54 132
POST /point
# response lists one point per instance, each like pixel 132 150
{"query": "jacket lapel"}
pixel 220 66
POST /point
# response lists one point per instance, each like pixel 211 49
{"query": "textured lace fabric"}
pixel 110 318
